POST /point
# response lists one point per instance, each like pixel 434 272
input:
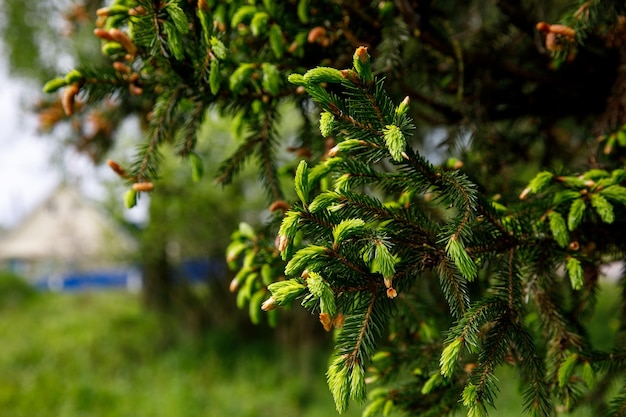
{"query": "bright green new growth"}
pixel 327 122
pixel 575 272
pixel 301 182
pixel 395 141
pixel 322 291
pixel 383 261
pixel 284 292
pixel 461 258
pixel 558 228
pixel 449 357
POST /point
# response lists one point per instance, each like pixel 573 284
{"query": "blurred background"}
pixel 112 312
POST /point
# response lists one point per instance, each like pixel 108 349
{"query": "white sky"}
pixel 27 173
pixel 26 176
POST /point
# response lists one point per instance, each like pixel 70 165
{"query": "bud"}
pixel 563 30
pixel 202 5
pixel 395 141
pixel 135 90
pixel 117 168
pixel 327 122
pixel 543 27
pixel 279 205
pixel 139 11
pixel 388 281
pixel 350 75
pixel 102 12
pixel 326 321
pixel 282 242
pixel 361 62
pixel 123 39
pixel 391 293
pixel 143 186
pixel 323 75
pixel 333 151
pixel 130 198
pixel 338 321
pixel 296 79
pixel 73 76
pixel 316 35
pixel 112 48
pixel 404 106
pixel 269 304
pixel 552 44
pixel 68 98
pixel 103 34
pixel 234 285
pixel 121 67
pixel 54 85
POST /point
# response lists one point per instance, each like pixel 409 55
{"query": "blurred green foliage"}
pixel 102 354
pixel 14 291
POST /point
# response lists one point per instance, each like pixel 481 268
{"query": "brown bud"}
pixel 525 193
pixel 326 321
pixel 135 90
pixel 316 34
pixel 202 5
pixel 361 54
pixel 333 151
pixel 574 245
pixel 338 321
pixel 391 293
pixel 68 98
pixel 117 168
pixel 121 67
pixel 279 205
pixel 103 34
pixel 137 11
pixel 143 186
pixel 282 242
pixel 293 47
pixel 563 30
pixel 123 39
pixel 102 12
pixel 552 43
pixel 543 27
pixel 269 304
pixel 469 367
pixel 234 284
pixel 350 75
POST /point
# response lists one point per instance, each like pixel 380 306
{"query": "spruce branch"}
pixel 145 168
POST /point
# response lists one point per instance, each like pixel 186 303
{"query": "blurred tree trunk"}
pixel 157 273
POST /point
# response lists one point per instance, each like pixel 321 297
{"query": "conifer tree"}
pixel 431 275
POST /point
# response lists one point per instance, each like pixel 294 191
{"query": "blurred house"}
pixel 69 240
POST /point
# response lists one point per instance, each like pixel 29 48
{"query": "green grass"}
pixel 102 354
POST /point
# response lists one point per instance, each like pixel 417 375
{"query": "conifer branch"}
pixel 355 356
pixel 192 121
pixel 266 153
pixel 146 166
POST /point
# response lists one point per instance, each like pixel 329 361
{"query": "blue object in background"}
pixel 190 271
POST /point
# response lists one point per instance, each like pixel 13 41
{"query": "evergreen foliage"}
pixel 433 275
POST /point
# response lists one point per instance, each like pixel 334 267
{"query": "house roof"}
pixel 65 226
